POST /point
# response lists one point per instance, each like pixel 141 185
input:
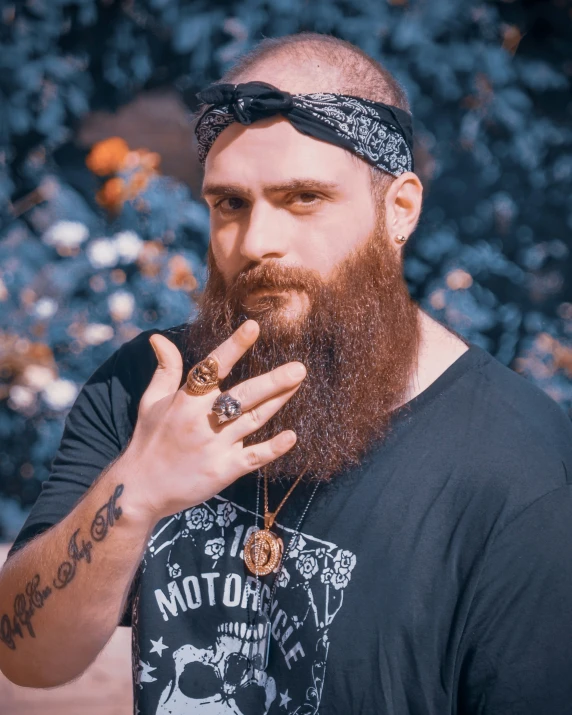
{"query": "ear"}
pixel 403 202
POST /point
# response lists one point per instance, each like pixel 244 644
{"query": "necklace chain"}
pixel 269 517
pixel 291 543
pixel 293 540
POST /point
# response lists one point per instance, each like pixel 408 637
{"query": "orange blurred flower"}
pixel 150 258
pixel 137 184
pixel 137 167
pixel 107 156
pixel 181 275
pixel 112 194
pixel 459 279
pixel 142 159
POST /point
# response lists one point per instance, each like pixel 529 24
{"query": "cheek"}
pixel 328 239
pixel 224 256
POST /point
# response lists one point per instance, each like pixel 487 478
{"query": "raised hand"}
pixel 179 455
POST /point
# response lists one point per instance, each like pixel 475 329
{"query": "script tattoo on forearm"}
pixel 106 516
pixel 35 596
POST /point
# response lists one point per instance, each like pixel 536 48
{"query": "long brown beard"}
pixel 358 340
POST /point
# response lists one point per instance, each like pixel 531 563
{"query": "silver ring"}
pixel 226 408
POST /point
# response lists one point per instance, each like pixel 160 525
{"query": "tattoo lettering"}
pixel 25 606
pixel 34 596
pixel 67 569
pixel 106 516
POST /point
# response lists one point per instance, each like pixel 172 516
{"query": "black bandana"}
pixel 379 133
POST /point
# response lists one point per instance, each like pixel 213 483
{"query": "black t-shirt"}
pixel 436 578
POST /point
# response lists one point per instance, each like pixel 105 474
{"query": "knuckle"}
pixel 277 377
pixel 254 415
pixel 181 398
pixel 240 393
pixel 252 458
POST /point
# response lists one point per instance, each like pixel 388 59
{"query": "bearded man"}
pixel 313 497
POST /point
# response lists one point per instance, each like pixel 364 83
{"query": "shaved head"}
pixel 309 62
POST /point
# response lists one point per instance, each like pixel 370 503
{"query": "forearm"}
pixel 62 595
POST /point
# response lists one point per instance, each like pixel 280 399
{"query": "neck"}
pixel 439 348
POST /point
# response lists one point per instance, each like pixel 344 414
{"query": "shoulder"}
pixel 519 439
pixel 521 415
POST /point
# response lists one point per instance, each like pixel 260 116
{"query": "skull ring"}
pixel 226 408
pixel 203 377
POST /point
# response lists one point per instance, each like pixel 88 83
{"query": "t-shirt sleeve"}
pixel 96 430
pixel 518 654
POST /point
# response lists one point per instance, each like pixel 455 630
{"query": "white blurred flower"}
pixel 37 377
pixel 128 246
pixel 60 394
pixel 97 333
pixel 45 308
pixel 102 253
pixel 66 234
pixel 121 305
pixel 21 397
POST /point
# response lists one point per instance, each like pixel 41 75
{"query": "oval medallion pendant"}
pixel 262 552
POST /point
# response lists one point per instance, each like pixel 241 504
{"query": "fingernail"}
pixel 297 370
pixel 251 327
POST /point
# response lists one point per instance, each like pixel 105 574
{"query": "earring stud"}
pixel 401 238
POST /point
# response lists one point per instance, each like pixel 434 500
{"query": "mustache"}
pixel 276 276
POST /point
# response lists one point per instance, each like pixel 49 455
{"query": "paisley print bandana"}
pixel 379 133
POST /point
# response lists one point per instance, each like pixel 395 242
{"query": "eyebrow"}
pixel 301 184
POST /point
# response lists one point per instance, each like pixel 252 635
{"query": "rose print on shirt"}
pixel 199 517
pixel 338 574
pixel 226 514
pixel 307 565
pixel 215 548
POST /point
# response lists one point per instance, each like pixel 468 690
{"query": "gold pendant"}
pixel 262 552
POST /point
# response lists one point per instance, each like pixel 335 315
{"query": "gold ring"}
pixel 203 377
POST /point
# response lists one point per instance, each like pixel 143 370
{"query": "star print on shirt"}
pixel 284 699
pixel 145 673
pixel 158 646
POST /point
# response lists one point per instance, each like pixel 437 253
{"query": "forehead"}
pixel 270 150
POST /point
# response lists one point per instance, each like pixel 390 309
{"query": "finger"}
pixel 259 389
pixel 167 376
pixel 259 415
pixel 258 455
pixel 230 352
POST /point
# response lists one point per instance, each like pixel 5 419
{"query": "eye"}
pixel 307 198
pixel 232 203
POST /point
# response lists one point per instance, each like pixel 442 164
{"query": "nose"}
pixel 264 237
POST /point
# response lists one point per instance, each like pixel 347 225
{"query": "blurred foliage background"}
pixel 102 233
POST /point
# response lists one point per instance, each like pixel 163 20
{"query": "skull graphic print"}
pixel 200 620
pixel 218 680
